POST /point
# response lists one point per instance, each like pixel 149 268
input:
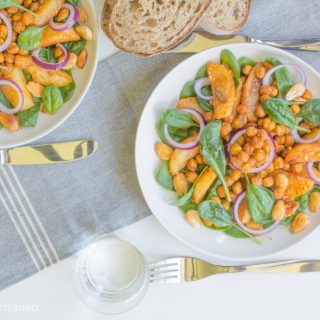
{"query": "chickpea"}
pixel 291 208
pixel 199 159
pixel 9 58
pixel 266 148
pixel 1 57
pixel 221 192
pixel 192 165
pixel 248 149
pixel 254 226
pixel 226 128
pixel 281 181
pixel 243 156
pixel 260 72
pixel 289 140
pixel 27 18
pixel 180 183
pixel 235 174
pixel 27 3
pixel 163 151
pixel 16 17
pixel 270 168
pixel 215 199
pixel 208 116
pixel 3 31
pixel 12 9
pixel 13 48
pixel 278 210
pixel 252 131
pixel 267 182
pixel 237 187
pixel 259 155
pixel 34 6
pixel 241 140
pixel 23 52
pixel 246 69
pixel 278 193
pixel 259 112
pixel 263 134
pixel 295 108
pixel 229 181
pixel 193 218
pixel 225 204
pixel 280 130
pixel 263 173
pixel 246 168
pixel 297 167
pixel 256 180
pixel 242 108
pixel 264 97
pixel 278 163
pixel 235 149
pixel 191 176
pixel 314 201
pixel 18 26
pixel 307 94
pixel 240 121
pixel 266 90
pixel 275 91
pixel 279 147
pixel 300 222
pixel 257 143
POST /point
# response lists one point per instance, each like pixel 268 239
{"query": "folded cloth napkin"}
pixel 49 212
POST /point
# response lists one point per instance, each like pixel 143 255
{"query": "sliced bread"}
pixel 106 15
pixel 148 27
pixel 225 16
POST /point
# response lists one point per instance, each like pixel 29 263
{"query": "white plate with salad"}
pixel 48 56
pixel 227 151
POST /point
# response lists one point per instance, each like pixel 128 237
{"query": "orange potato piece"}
pixel 47 10
pixel 44 77
pixel 250 95
pixel 238 98
pixel 9 121
pixel 35 88
pixel 223 89
pixel 51 37
pixel 180 157
pixel 15 74
pixel 202 185
pixel 190 103
pixel 305 152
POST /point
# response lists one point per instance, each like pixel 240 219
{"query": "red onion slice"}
pixel 299 139
pixel 48 65
pixel 311 173
pixel 235 137
pixel 302 76
pixel 17 89
pixel 199 84
pixel 241 225
pixel 73 16
pixel 192 144
pixel 6 21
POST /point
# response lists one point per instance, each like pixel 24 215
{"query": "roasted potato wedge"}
pixel 44 77
pixel 51 37
pixel 47 10
pixel 190 102
pixel 297 184
pixel 250 95
pixel 202 185
pixel 238 98
pixel 17 76
pixel 180 157
pixel 9 121
pixel 305 152
pixel 223 89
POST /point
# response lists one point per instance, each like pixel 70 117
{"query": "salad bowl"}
pixel 206 240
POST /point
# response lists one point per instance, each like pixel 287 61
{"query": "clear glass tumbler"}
pixel 111 275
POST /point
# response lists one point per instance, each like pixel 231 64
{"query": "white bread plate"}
pixel 210 242
pixel 83 79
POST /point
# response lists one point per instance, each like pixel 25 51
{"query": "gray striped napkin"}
pixel 49 212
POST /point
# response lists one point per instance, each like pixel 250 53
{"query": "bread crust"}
pixel 171 44
pixel 207 23
pixel 106 15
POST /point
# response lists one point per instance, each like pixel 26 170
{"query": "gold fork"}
pixel 186 269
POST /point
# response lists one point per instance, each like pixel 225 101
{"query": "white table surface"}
pixel 50 294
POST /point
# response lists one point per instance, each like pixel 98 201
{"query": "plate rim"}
pixel 139 132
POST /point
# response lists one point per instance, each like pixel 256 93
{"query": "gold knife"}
pixel 200 41
pixel 48 153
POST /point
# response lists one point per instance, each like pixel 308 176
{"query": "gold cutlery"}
pixel 185 269
pixel 48 153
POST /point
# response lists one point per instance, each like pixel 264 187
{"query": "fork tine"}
pixel 165 271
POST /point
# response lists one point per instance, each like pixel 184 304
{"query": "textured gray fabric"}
pixel 76 201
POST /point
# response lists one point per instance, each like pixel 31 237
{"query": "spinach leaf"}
pixel 27 75
pixel 176 134
pixel 205 105
pixel 163 177
pixel 178 118
pixel 76 46
pixel 310 111
pixel 235 233
pixel 68 90
pixel 284 81
pixel 227 57
pixel 260 202
pixel 213 190
pixel 74 2
pixel 273 61
pixel 212 150
pixel 303 202
pixel 3 68
pixel 52 99
pixel 202 72
pixel 4 100
pixel 46 54
pixel 315 188
pixel 190 205
pixel 244 61
pixel 13 3
pixel 188 90
pixel 206 90
pixel 30 38
pixel 215 212
pixel 279 111
pixel 29 117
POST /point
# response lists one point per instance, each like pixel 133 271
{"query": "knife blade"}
pixel 48 153
pixel 199 41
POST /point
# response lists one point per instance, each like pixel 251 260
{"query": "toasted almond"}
pixel 82 58
pixel 296 91
pixel 84 32
pixel 35 89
